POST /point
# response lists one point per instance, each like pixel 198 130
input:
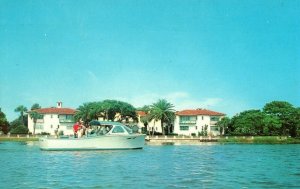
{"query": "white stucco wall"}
pixel 201 121
pixel 50 123
pixel 156 125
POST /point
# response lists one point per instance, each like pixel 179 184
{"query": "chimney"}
pixel 59 104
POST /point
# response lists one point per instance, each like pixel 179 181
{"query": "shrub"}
pixel 173 134
pixel 21 129
pixel 15 123
pixel 60 133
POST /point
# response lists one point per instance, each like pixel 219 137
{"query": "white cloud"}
pixel 92 76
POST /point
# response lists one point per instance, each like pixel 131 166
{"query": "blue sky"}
pixel 222 55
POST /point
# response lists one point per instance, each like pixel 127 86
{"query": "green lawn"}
pixel 16 139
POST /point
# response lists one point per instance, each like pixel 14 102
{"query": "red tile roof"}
pixel 198 112
pixel 141 113
pixel 60 111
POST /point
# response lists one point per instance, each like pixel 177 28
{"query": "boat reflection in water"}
pixel 103 136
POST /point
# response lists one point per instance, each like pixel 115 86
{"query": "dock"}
pixel 177 140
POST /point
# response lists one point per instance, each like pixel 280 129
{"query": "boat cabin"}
pixel 109 128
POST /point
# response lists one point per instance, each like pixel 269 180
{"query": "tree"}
pixel 15 123
pixel 163 111
pixel 110 109
pixel 223 124
pixel 4 125
pixel 21 129
pixel 287 114
pixel 249 122
pixel 35 106
pixel 127 111
pixel 96 110
pixel 298 122
pixel 34 116
pixel 145 120
pixel 272 125
pixel 145 108
pixel 22 109
pixel 107 109
pixel 84 112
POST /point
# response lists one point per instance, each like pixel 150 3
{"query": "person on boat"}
pixel 82 128
pixel 76 128
pixel 106 129
pixel 101 131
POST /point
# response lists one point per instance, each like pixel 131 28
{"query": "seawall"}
pixel 176 140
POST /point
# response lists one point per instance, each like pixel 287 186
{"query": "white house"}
pixel 199 121
pixel 54 119
pixel 153 125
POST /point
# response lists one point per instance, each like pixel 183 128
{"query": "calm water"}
pixel 23 165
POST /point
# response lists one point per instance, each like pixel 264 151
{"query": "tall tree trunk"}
pixel 153 128
pixel 34 123
pixel 22 118
pixel 162 126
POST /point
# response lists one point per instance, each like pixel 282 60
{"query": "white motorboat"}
pixel 105 136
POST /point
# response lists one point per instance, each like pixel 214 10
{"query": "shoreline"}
pixel 187 140
pixel 222 140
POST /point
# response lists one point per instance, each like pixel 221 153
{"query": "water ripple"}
pixel 203 166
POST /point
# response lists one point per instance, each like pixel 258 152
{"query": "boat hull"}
pixel 107 142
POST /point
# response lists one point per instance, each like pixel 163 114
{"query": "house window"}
pixel 51 126
pixel 214 128
pixel 57 126
pixel 39 127
pixel 214 118
pixel 188 119
pixel 196 127
pixel 184 128
pixel 69 117
pixel 51 116
pixel 202 117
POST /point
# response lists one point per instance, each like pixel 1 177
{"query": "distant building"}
pixel 197 122
pixel 54 119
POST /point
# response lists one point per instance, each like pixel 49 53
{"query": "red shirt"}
pixel 76 127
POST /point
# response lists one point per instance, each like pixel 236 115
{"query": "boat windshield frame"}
pixel 102 129
pixel 129 131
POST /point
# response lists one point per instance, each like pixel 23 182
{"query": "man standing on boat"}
pixel 76 128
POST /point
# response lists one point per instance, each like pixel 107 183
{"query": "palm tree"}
pixel 34 116
pixel 163 111
pixel 21 109
pixel 84 112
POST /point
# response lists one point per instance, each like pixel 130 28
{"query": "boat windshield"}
pixel 128 129
pixel 103 129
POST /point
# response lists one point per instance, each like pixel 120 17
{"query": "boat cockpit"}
pixel 109 129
